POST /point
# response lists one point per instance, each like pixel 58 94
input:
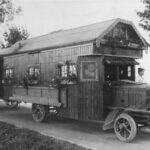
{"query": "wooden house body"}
pixel 72 69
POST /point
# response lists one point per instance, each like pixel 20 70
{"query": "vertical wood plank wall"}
pixel 47 60
pixel 85 99
pixel 108 50
pixel 129 96
pixel 90 99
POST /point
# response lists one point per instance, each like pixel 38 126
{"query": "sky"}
pixel 44 16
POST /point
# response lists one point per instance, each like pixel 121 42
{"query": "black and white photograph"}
pixel 74 74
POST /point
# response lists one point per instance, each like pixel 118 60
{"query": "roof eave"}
pixel 37 50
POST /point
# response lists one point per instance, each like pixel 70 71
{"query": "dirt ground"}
pixel 89 135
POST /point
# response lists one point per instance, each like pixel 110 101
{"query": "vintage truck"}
pixel 86 73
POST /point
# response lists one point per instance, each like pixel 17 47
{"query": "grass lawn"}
pixel 14 138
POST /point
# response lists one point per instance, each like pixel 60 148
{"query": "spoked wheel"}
pixel 125 128
pixel 40 112
pixel 12 104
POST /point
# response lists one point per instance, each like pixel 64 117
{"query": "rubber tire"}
pixel 132 124
pixel 44 115
pixel 14 104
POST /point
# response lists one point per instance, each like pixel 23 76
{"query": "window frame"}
pixel 68 71
pixel 96 71
pixel 72 70
pixel 30 76
pixel 129 71
pixel 10 74
pixel 118 74
pixel 64 71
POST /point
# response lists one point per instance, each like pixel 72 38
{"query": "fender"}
pixel 109 121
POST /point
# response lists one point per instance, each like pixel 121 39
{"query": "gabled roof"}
pixel 68 37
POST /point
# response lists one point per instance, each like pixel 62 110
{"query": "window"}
pixel 129 71
pixel 119 72
pixel 67 73
pixel 9 73
pixel 125 72
pixel 64 71
pixel 72 69
pixel 89 71
pixel 68 70
pixel 33 75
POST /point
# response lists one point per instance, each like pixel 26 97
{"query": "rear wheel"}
pixel 125 128
pixel 40 112
pixel 12 104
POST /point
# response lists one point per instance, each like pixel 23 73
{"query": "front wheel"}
pixel 40 112
pixel 125 128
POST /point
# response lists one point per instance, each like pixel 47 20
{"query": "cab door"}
pixel 90 88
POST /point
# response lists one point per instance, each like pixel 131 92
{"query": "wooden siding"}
pixel 124 52
pixel 19 63
pixel 129 96
pixel 85 99
pixel 90 100
pixel 36 92
pixel 47 60
pixel 107 98
pixel 71 110
pixel 8 91
pixel 40 95
pixel 133 97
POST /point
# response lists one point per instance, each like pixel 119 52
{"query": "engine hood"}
pixel 130 94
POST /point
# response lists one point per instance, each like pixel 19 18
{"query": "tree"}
pixel 8 11
pixel 145 16
pixel 13 35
